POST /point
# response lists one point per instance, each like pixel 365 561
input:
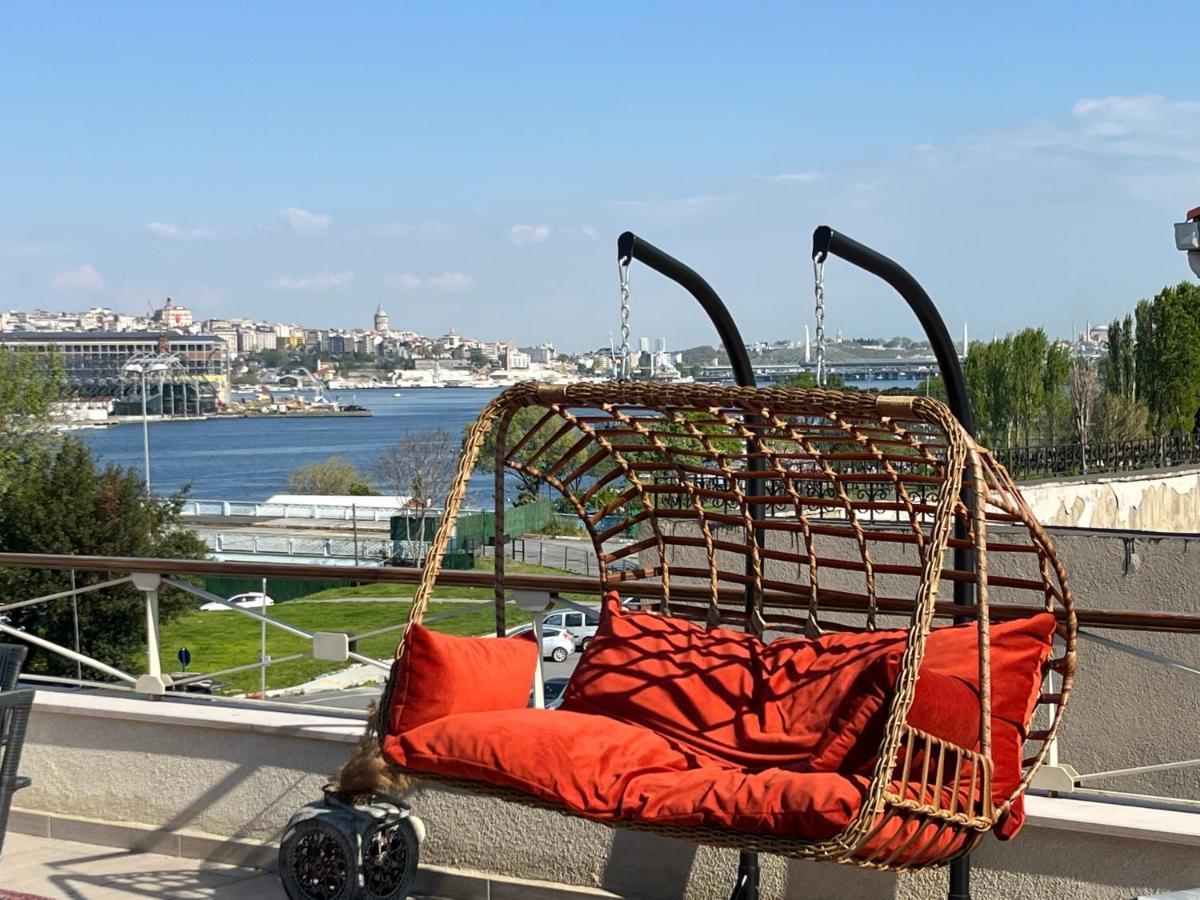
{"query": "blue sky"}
pixel 470 166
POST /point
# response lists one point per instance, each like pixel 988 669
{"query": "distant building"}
pixel 381 320
pixel 94 363
pixel 515 359
pixel 173 316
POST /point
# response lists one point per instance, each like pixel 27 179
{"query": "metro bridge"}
pixel 853 362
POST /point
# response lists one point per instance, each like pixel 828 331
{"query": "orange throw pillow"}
pixel 441 674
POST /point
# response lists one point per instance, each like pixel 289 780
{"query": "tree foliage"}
pixel 420 466
pixel 30 383
pixel 332 475
pixel 1019 388
pixel 59 501
pixel 1167 357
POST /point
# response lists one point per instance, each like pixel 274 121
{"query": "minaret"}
pixel 966 340
pixel 806 345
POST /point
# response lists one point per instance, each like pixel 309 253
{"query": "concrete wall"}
pixel 144 763
pixel 1166 500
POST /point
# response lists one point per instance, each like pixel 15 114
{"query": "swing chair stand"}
pixel 871 743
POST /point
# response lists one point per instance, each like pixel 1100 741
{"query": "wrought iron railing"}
pixel 1026 463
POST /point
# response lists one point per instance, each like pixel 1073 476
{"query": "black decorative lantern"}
pixel 334 849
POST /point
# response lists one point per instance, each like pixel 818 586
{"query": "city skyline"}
pixel 437 170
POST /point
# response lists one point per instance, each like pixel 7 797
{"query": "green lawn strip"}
pixel 219 640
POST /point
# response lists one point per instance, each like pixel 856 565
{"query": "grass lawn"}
pixel 219 640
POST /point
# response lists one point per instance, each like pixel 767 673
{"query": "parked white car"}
pixel 580 626
pixel 556 643
pixel 242 601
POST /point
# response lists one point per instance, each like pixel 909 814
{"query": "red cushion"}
pixel 816 706
pixel 616 772
pixel 440 674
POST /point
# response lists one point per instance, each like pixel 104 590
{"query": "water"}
pixel 250 459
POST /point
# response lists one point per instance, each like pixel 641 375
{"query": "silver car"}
pixel 580 626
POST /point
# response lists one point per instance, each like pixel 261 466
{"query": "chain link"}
pixel 623 269
pixel 819 291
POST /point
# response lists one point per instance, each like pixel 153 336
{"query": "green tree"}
pixel 988 373
pixel 1056 400
pixel 1118 418
pixel 1168 356
pixel 30 384
pixel 1027 376
pixel 59 501
pixel 808 381
pixel 332 475
pixel 1119 364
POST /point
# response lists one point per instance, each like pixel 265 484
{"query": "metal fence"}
pixel 364 550
pixel 250 509
pixel 1025 463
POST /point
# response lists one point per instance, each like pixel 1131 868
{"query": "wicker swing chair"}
pixel 819 520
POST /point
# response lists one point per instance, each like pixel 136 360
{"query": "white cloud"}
pixel 320 282
pixel 404 282
pixel 85 278
pixel 450 281
pixel 784 177
pixel 171 230
pixel 523 235
pixel 1148 129
pixel 302 221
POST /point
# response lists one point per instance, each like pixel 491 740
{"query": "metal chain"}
pixel 623 270
pixel 819 290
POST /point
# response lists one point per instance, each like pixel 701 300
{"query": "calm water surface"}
pixel 250 459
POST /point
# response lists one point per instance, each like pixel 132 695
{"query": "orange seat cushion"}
pixel 667 723
pixel 617 772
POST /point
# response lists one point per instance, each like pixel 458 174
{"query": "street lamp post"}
pixel 143 368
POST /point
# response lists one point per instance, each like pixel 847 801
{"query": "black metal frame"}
pixel 631 247
pixel 827 242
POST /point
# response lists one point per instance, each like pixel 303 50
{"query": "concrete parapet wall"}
pixel 242 775
pixel 1166 500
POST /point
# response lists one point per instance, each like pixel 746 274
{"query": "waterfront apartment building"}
pixel 95 366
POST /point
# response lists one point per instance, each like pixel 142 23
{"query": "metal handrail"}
pixel 837 601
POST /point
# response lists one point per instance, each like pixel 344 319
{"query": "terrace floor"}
pixel 43 867
pixel 37 867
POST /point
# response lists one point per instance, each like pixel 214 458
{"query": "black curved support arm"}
pixel 630 246
pixel 828 242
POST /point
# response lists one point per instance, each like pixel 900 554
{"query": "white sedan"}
pixel 556 644
pixel 241 601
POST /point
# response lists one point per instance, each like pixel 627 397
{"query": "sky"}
pixel 470 166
